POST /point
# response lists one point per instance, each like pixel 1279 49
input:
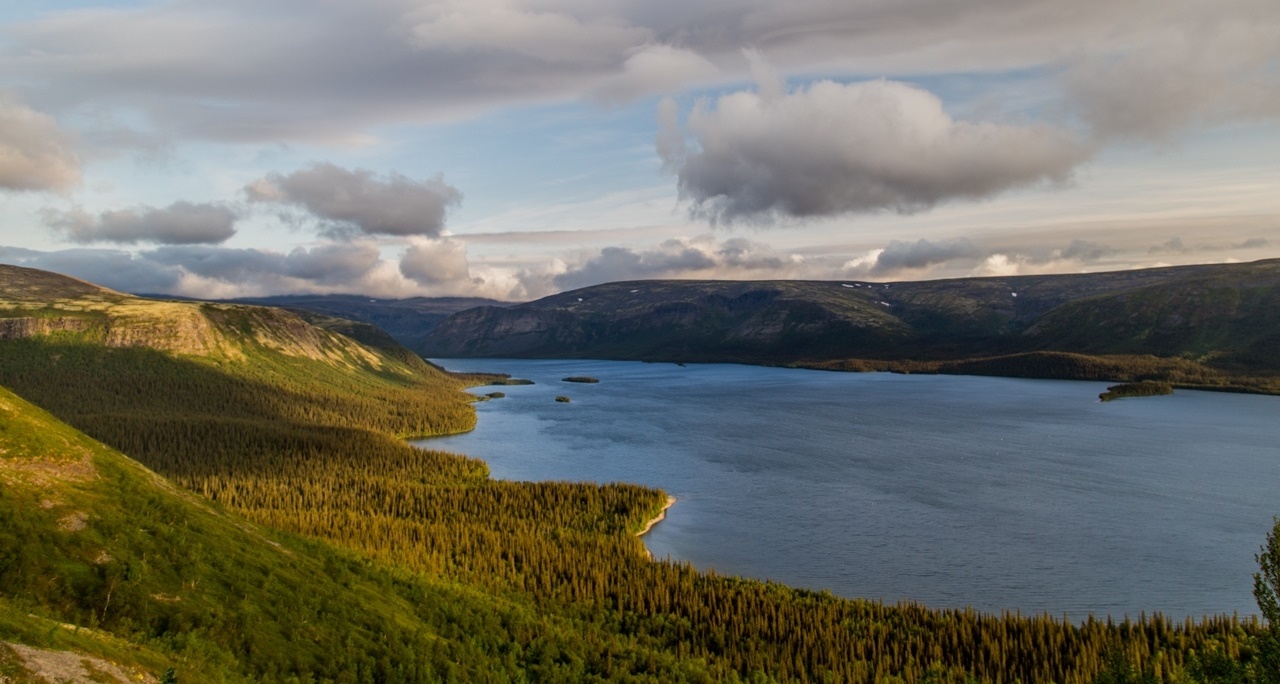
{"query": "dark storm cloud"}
pixel 181 223
pixel 359 201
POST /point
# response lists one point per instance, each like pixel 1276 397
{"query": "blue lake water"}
pixel 995 493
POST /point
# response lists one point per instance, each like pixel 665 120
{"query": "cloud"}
pixel 1172 245
pixel 922 256
pixel 247 70
pixel 116 269
pixel 1085 251
pixel 322 265
pixel 655 69
pixel 211 272
pixel 181 223
pixel 899 256
pixel 700 257
pixel 1202 70
pixel 831 149
pixel 438 262
pixel 468 27
pixel 359 201
pixel 1175 245
pixel 35 153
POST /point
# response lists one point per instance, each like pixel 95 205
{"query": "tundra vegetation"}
pixel 245 509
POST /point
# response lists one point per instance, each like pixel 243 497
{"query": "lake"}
pixel 995 493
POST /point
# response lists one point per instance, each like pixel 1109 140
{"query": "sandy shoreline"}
pixel 662 515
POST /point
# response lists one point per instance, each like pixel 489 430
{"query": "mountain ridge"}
pixel 1225 317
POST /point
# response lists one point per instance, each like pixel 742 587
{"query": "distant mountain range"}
pixel 1208 325
pixel 1220 318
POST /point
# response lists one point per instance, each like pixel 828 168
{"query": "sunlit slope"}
pixel 103 558
pixel 217 360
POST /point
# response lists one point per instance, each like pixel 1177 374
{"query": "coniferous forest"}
pixel 318 450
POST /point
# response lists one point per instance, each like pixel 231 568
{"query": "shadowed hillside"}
pixel 1223 318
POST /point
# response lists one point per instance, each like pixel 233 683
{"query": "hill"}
pixel 101 559
pixel 1216 324
pixel 407 320
pixel 241 506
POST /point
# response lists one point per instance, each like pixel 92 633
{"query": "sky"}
pixel 516 148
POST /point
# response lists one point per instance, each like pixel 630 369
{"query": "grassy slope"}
pixel 219 596
pixel 90 538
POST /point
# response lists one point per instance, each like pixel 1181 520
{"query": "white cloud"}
pixel 436 262
pixel 181 223
pixel 360 201
pixel 699 257
pixel 831 149
pixel 655 69
pixel 35 153
pixel 478 27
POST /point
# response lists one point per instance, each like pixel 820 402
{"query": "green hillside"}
pixel 1223 319
pixel 408 565
pixel 103 558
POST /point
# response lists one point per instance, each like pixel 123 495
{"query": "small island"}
pixel 563 399
pixel 580 378
pixel 495 395
pixel 511 381
pixel 1144 388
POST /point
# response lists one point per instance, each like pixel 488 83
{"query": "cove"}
pixel 996 493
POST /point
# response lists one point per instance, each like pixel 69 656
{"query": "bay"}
pixel 995 493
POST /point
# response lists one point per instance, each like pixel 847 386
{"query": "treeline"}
pixel 295 448
pixel 1049 365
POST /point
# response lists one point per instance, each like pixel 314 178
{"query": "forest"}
pixel 318 450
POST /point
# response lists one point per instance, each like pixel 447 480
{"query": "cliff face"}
pixel 18 328
pixel 1226 314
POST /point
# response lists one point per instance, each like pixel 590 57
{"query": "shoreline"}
pixel 662 515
